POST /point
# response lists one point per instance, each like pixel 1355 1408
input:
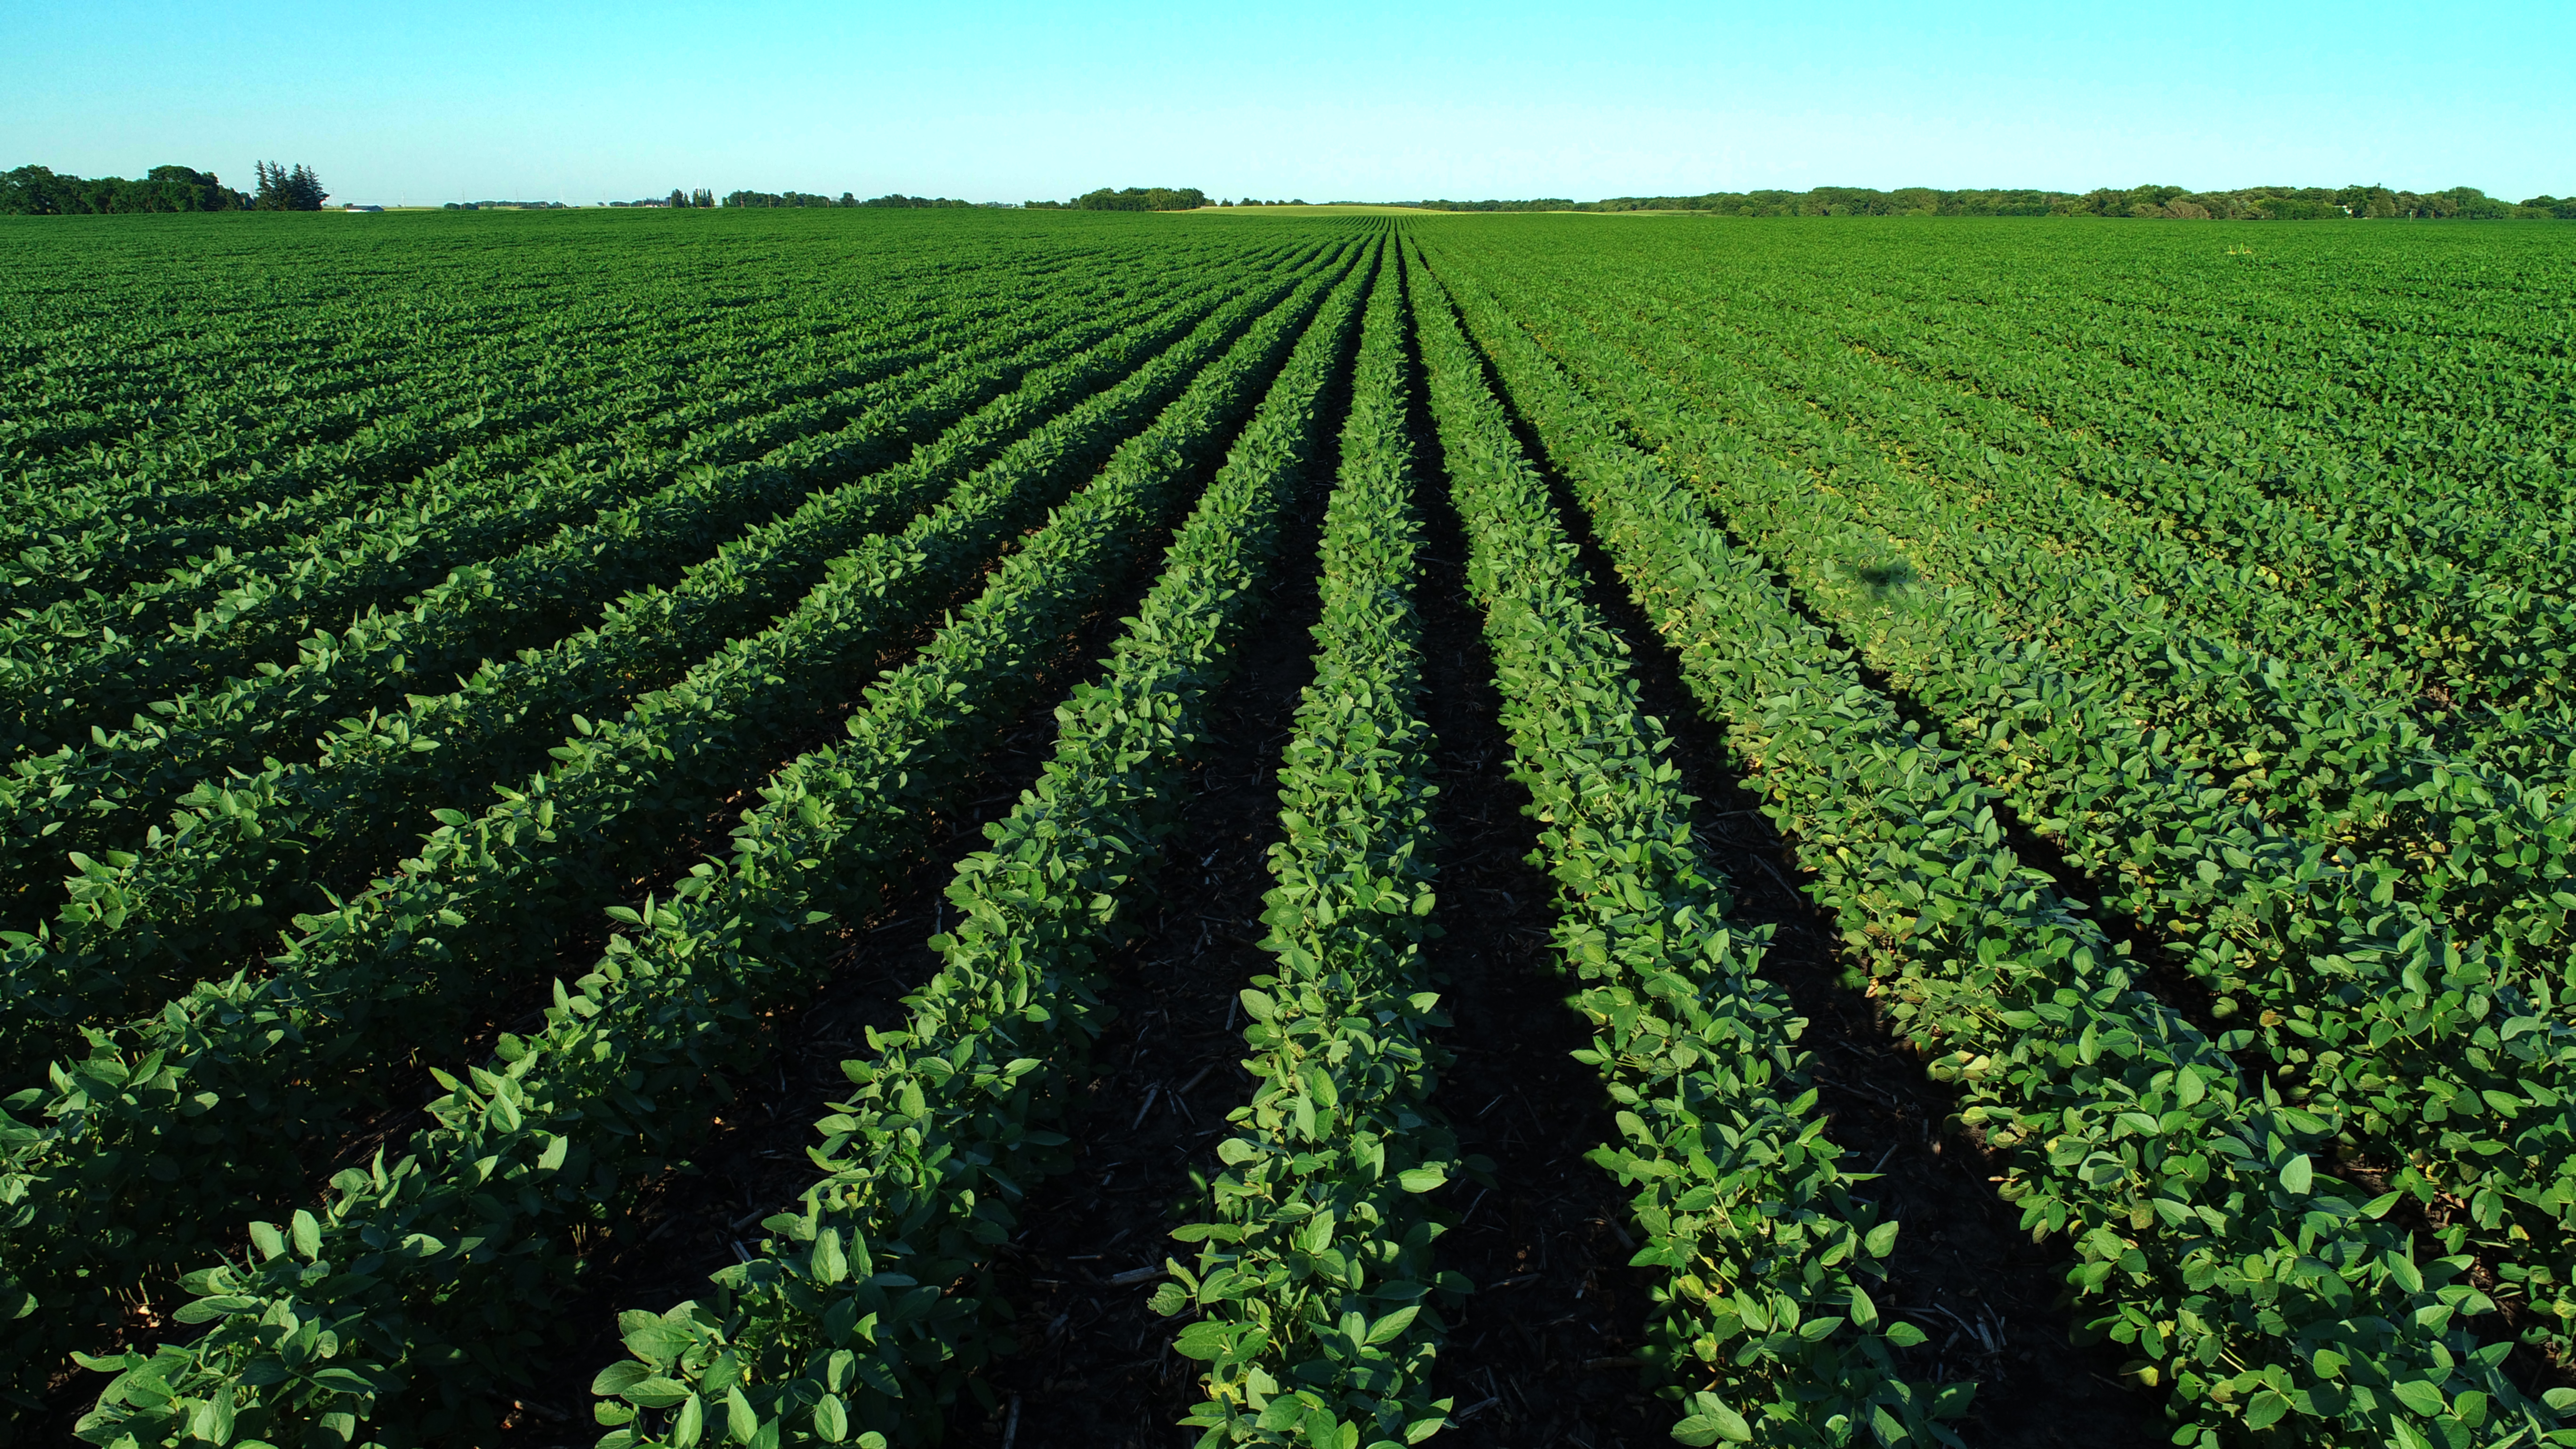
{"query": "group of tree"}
pixel 283 190
pixel 1133 198
pixel 1248 201
pixel 37 191
pixel 807 198
pixel 2253 203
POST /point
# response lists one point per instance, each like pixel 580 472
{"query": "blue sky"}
pixel 441 99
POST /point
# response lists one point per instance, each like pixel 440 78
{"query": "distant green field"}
pixel 864 827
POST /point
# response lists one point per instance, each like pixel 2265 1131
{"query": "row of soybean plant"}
pixel 350 411
pixel 226 1084
pixel 2267 1293
pixel 1309 1290
pixel 2474 830
pixel 2414 598
pixel 2472 843
pixel 137 362
pixel 869 1304
pixel 84 679
pixel 409 1300
pixel 2446 582
pixel 93 659
pixel 2010 476
pixel 521 564
pixel 2041 481
pixel 245 851
pixel 1764 1320
pixel 1309 1294
pixel 2412 442
pixel 108 529
pixel 149 561
pixel 2426 612
pixel 2413 1003
pixel 2334 380
pixel 126 430
pixel 144 400
pixel 2065 483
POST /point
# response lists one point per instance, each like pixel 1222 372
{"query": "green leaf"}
pixel 831 1420
pixel 1864 1313
pixel 1881 1239
pixel 828 1265
pixel 1711 1421
pixel 617 1378
pixel 2265 1410
pixel 218 1306
pixel 1420 1179
pixel 346 1381
pixel 213 1420
pixel 654 1391
pixel 308 1236
pixel 1904 1334
pixel 1393 1325
pixel 2423 1397
pixel 2298 1175
pixel 655 1340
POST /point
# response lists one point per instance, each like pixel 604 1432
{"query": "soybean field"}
pixel 994 828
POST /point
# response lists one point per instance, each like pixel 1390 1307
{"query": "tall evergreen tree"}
pixel 283 190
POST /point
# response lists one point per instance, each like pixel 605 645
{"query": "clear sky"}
pixel 425 100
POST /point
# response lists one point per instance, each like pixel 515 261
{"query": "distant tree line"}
pixel 805 198
pixel 1248 201
pixel 508 206
pixel 37 191
pixel 1133 198
pixel 2253 203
